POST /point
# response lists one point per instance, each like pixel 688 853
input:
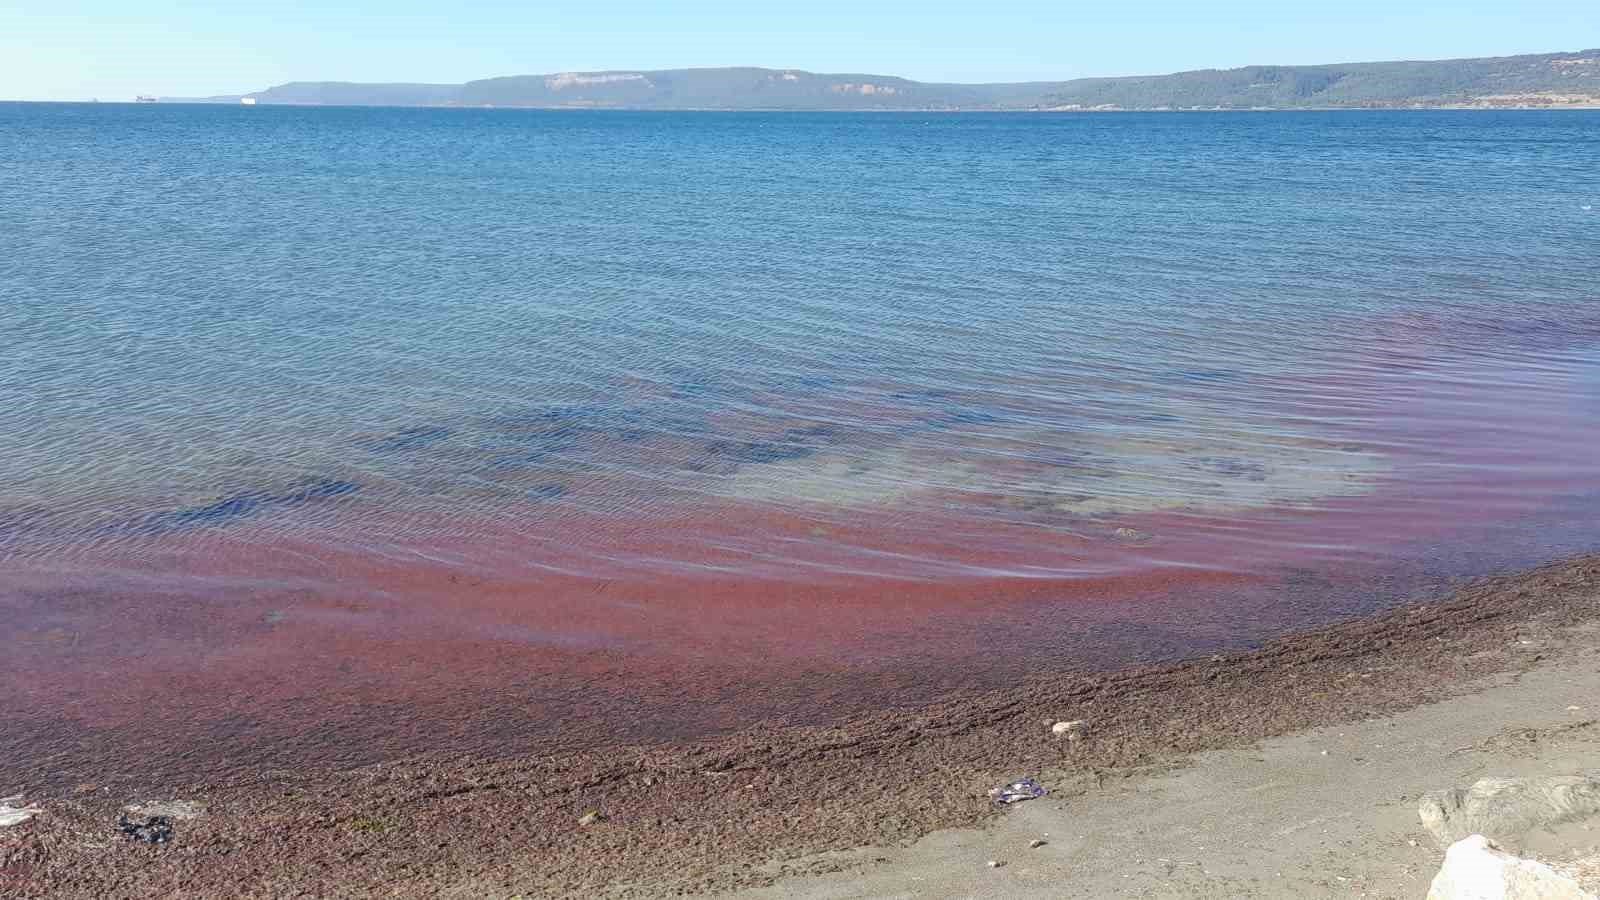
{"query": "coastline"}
pixel 743 810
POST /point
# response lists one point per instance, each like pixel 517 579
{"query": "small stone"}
pixel 1036 843
pixel 994 863
pixel 1075 730
pixel 591 817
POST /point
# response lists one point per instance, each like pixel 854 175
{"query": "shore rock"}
pixel 1507 809
pixel 1475 869
pixel 1075 730
pixel 15 814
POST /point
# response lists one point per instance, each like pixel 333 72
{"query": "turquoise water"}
pixel 218 317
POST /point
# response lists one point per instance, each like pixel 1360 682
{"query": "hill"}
pixel 1547 79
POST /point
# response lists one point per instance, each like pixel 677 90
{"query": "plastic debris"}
pixel 1018 791
pixel 153 830
pixel 13 813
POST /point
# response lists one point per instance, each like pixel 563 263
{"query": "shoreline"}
pixel 742 810
pixel 1468 105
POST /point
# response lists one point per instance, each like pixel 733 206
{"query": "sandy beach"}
pixel 775 807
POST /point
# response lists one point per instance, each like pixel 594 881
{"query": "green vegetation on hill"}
pixel 1541 79
pixel 1351 84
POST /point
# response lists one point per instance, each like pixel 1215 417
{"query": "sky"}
pixel 114 49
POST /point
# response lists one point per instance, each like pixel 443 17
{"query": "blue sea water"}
pixel 242 319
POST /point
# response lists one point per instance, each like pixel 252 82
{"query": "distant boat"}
pixel 247 101
pixel 143 98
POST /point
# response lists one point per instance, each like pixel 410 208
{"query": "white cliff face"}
pixel 566 80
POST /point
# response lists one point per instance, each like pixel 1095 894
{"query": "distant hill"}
pixel 1546 79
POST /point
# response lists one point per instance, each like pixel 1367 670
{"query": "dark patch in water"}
pixel 927 396
pixel 321 489
pixel 758 451
pixel 1206 375
pixel 416 438
pixel 1231 467
pixel 238 506
pixel 519 461
pixel 795 443
pixel 813 382
pixel 1059 458
pixel 811 431
pixel 688 389
pixel 543 417
pixel 547 491
pixel 235 507
pixel 968 416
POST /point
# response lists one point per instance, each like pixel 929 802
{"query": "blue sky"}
pixel 77 49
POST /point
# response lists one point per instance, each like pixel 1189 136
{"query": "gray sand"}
pixel 1329 812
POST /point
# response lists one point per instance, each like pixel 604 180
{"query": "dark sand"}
pixel 725 813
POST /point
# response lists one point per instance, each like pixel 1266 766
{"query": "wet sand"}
pixel 727 812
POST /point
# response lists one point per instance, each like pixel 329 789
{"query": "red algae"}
pixel 191 656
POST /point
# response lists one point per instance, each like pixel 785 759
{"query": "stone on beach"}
pixel 13 813
pixel 1507 809
pixel 1476 869
pixel 1075 730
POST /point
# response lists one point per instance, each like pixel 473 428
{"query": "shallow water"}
pixel 518 403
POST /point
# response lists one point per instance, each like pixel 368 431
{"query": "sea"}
pixel 330 435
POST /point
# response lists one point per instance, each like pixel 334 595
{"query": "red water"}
pixel 202 657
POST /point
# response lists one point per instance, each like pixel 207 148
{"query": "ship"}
pixel 144 98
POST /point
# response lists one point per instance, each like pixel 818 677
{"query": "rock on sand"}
pixel 1507 809
pixel 1475 869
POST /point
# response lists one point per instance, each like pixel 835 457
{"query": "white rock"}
pixel 1075 730
pixel 16 815
pixel 1475 869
